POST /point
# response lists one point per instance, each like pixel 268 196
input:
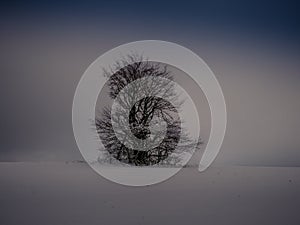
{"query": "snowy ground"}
pixel 71 193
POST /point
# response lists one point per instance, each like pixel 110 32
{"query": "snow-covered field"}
pixel 72 193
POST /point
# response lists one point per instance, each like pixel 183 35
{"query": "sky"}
pixel 252 47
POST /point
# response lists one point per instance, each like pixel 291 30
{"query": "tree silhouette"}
pixel 145 128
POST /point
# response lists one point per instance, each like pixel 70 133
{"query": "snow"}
pixel 71 193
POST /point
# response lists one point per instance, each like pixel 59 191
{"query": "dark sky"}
pixel 253 48
pixel 257 15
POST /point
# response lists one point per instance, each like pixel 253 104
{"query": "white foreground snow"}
pixel 72 193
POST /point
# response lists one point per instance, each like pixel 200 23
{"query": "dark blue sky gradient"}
pixel 252 47
pixel 276 18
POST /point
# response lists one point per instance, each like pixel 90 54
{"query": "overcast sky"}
pixel 253 51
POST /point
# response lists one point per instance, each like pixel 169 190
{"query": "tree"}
pixel 144 128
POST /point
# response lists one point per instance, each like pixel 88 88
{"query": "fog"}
pixel 40 71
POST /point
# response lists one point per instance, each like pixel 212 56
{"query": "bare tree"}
pixel 150 117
